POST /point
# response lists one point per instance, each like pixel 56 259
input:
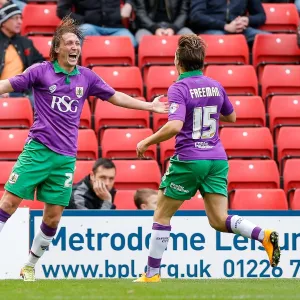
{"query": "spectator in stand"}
pixel 225 17
pixel 20 3
pixel 145 199
pixel 98 17
pixel 17 52
pixel 162 18
pixel 96 190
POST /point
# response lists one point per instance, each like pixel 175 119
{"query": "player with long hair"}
pixel 47 162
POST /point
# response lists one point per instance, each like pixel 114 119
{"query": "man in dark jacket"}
pixel 228 16
pixel 17 52
pixel 161 17
pixel 96 190
pixel 98 17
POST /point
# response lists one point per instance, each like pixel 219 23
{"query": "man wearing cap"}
pixel 17 52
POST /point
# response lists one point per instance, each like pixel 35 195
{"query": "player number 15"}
pixel 204 126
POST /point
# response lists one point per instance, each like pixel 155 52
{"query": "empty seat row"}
pixel 243 174
pixel 249 143
pixel 237 80
pixel 250 110
pixel 243 199
pixel 155 50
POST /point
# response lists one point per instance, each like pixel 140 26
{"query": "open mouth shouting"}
pixel 73 58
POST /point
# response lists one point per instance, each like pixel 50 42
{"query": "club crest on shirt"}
pixel 79 91
pixel 52 88
pixel 173 108
pixel 13 178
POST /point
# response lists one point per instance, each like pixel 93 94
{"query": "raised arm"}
pixel 123 100
pixel 5 87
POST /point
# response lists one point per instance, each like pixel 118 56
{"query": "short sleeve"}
pixel 99 88
pixel 26 80
pixel 227 107
pixel 176 99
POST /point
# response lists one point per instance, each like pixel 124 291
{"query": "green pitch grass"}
pixel 285 289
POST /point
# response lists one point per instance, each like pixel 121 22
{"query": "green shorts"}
pixel 183 178
pixel 49 173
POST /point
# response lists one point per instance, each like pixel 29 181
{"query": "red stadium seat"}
pixel 159 80
pixel 108 115
pixel 291 175
pixel 136 174
pixel 288 144
pixel 121 143
pixel 160 119
pixel 124 79
pixel 250 111
pixel 247 142
pixel 281 17
pixel 237 80
pixel 156 50
pixel 39 19
pixel 6 168
pixel 259 199
pixel 255 174
pixel 226 49
pixel 86 116
pixel 280 80
pixel 124 199
pixel 87 145
pixel 295 202
pixel 274 48
pixel 196 203
pixel 32 204
pixel 15 113
pixel 284 111
pixel 82 169
pixel 167 149
pixel 42 44
pixel 107 50
pixel 12 143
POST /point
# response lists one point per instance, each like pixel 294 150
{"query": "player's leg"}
pixel 178 184
pixel 161 229
pixel 27 173
pixel 214 189
pixel 55 191
pixel 42 239
pixel 8 205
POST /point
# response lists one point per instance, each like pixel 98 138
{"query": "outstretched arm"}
pixel 170 129
pixel 123 100
pixel 5 87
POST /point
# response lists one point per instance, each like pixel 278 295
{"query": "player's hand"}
pixel 101 191
pixel 141 148
pixel 160 107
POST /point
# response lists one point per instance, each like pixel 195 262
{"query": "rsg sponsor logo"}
pixel 64 104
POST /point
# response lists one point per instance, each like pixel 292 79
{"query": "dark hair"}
pixel 67 25
pixel 141 195
pixel 103 162
pixel 191 52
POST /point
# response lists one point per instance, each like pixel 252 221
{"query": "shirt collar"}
pixel 189 74
pixel 59 69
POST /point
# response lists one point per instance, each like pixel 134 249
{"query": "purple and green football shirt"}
pixel 198 100
pixel 59 97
